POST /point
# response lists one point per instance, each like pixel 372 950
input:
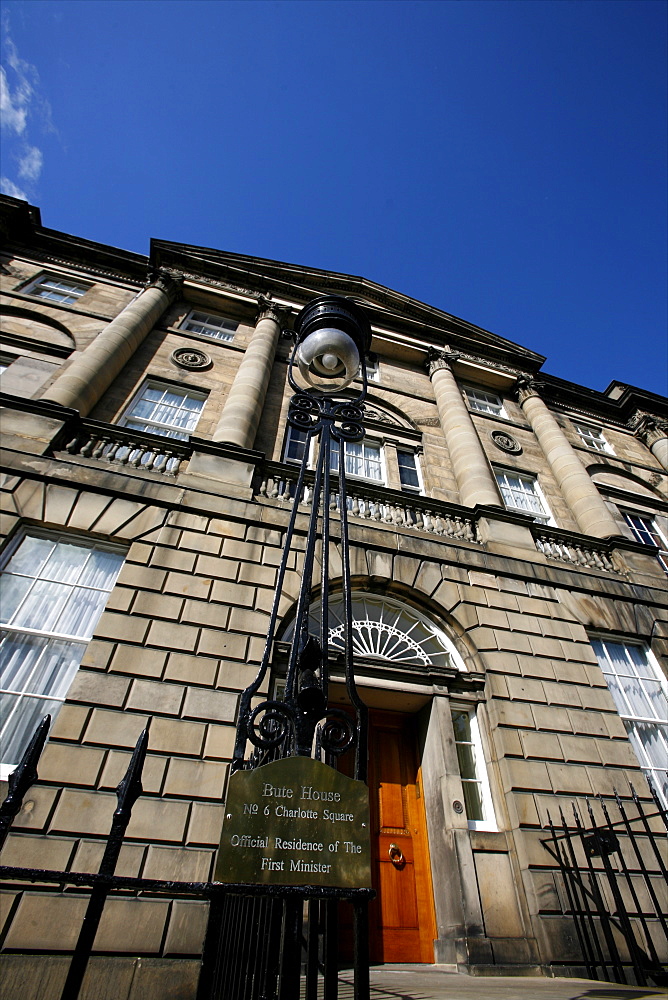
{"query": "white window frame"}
pixel 592 437
pixel 648 534
pixel 544 517
pixel 47 593
pixel 157 426
pixel 638 686
pixel 480 776
pixel 211 325
pixel 57 288
pixel 483 401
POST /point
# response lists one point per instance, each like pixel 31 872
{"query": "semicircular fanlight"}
pixel 385 629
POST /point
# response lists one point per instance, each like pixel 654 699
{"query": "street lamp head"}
pixel 333 335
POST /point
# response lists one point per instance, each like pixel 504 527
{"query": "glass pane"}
pixel 30 555
pixel 65 563
pixel 21 721
pixel 473 800
pixel 462 726
pixel 81 613
pixel 466 757
pixel 19 655
pixel 101 569
pixel 57 667
pixel 12 591
pixel 44 607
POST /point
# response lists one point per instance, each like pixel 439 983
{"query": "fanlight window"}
pixel 387 630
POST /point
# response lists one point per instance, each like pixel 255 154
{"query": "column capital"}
pixel 648 427
pixel 440 360
pixel 526 388
pixel 268 309
pixel 169 282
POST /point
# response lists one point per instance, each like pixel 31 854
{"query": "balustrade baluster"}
pixel 263 488
pixel 88 447
pixel 73 446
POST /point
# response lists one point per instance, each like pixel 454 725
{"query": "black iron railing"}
pixel 244 914
pixel 614 880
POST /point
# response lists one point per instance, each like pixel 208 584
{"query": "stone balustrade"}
pixel 367 502
pixel 560 546
pixel 120 446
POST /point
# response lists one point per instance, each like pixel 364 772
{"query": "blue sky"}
pixel 503 161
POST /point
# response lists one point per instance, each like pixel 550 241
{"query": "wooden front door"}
pixel 401 918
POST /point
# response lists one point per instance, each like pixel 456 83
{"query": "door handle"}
pixel 396 855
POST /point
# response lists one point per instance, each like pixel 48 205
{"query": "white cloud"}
pixel 13 105
pixel 30 164
pixel 10 188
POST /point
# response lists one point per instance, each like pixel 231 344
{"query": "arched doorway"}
pixel 402 922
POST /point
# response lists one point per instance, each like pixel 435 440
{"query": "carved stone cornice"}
pixel 224 286
pixel 648 427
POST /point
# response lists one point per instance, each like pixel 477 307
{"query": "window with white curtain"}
pixel 209 325
pixel 520 491
pixel 473 770
pixel 484 402
pixel 593 438
pixel 364 459
pixel 53 590
pixel 640 693
pixel 164 409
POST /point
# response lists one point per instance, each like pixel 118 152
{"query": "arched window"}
pixel 386 629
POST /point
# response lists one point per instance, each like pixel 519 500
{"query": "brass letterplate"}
pixel 295 822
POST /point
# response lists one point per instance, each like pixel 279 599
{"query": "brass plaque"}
pixel 295 822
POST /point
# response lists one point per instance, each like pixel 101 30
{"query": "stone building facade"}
pixel 509 557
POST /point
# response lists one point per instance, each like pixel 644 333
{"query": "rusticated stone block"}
pixel 220 742
pixel 217 706
pixel 139 660
pixel 178 864
pixel 223 644
pixel 109 728
pixel 156 696
pixel 187 927
pixel 70 722
pixel 191 669
pixel 524 774
pixel 173 636
pixel 206 822
pixel 174 736
pixel 61 762
pixel 98 688
pixel 195 778
pixel 196 587
pixel 30 851
pixel 117 763
pixel 157 605
pixel 89 857
pixel 571 778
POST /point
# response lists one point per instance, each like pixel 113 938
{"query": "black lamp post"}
pixel 332 336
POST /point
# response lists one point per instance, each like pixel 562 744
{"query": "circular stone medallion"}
pixel 506 442
pixel 188 357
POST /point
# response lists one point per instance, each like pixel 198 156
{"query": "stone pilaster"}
pixel 471 468
pixel 580 493
pixel 243 408
pixel 90 373
pixel 653 431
